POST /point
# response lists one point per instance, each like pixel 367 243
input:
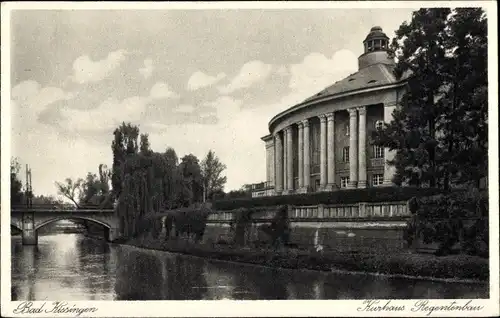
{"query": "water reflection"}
pixel 74 267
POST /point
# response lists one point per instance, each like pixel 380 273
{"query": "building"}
pixel 324 143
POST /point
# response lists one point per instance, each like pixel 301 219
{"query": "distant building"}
pixel 324 143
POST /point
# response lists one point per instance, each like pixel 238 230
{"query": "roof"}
pixel 370 76
pixel 376 33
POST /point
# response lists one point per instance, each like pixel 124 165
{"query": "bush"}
pixel 381 194
pixel 442 219
pixel 189 221
pixel 243 219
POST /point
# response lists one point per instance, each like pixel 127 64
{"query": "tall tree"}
pixel 144 145
pixel 171 178
pixel 466 126
pixel 190 181
pixel 212 178
pixel 444 53
pixel 16 185
pixel 124 143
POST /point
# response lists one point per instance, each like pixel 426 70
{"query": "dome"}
pixel 376 33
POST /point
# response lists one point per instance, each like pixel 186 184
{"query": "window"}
pixel 377 179
pixel 370 46
pixel 344 181
pixel 378 152
pixel 346 129
pixel 345 154
pixel 379 124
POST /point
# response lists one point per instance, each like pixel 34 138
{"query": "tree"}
pixel 124 143
pixel 439 131
pixel 16 185
pixel 466 137
pixel 144 145
pixel 171 178
pixel 72 190
pixel 211 171
pixel 190 185
pixel 47 200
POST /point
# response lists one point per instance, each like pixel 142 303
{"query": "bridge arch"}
pixel 72 217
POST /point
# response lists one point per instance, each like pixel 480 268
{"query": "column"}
pixel 389 170
pixel 278 171
pixel 273 165
pixel 301 155
pixel 353 149
pixel 289 158
pixel 307 156
pixel 285 161
pixel 330 157
pixel 362 148
pixel 322 160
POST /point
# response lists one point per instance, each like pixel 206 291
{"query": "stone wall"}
pixel 368 227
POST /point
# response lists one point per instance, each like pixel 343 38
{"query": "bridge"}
pixel 29 220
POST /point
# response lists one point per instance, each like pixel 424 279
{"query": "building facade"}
pixel 324 143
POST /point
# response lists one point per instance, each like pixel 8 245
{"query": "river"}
pixel 75 267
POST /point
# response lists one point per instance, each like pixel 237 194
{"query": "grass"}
pixel 417 265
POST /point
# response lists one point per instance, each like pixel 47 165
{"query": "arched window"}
pixel 377 45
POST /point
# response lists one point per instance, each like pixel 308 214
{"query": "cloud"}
pixel 112 111
pixel 282 71
pixel 147 70
pixel 162 90
pixel 85 70
pixel 30 99
pixel 317 71
pixel 199 80
pixel 185 108
pixel 108 115
pixel 250 73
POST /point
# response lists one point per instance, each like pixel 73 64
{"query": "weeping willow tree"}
pixel 150 182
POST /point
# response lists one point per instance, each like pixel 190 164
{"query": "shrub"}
pixel 243 218
pixel 442 219
pixel 279 228
pixel 189 221
pixel 382 194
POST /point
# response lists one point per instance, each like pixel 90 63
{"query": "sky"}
pixel 194 80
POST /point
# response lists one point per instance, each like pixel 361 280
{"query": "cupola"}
pixel 376 49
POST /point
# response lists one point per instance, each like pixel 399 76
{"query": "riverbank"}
pixel 455 267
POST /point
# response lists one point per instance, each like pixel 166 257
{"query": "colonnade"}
pixel 284 153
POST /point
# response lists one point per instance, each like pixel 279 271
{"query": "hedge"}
pixel 350 196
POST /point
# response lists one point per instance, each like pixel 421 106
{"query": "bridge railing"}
pixel 61 210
